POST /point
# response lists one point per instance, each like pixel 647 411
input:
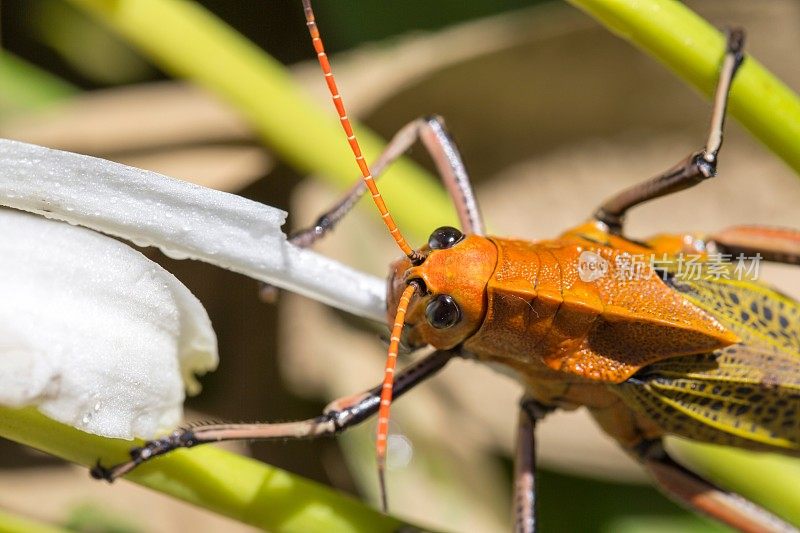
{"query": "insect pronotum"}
pixel 649 354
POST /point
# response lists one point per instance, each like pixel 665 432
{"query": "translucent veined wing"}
pixel 757 313
pixel 742 396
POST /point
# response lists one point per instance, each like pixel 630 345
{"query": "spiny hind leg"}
pixel 698 167
pixel 780 245
pixel 772 244
pixel 643 440
pixel 701 495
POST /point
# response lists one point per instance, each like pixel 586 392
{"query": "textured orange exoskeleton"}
pixel 524 304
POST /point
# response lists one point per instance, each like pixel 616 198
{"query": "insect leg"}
pixel 434 136
pixel 531 411
pixel 698 167
pixel 772 244
pixel 701 495
pixel 776 244
pixel 338 416
pixel 444 152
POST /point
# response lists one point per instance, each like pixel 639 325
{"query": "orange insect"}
pixel 649 352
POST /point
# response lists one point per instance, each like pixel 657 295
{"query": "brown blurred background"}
pixel 552 114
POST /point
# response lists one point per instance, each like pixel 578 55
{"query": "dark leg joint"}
pixel 306 237
pixel 303 239
pixel 344 418
pixel 702 167
pixel 612 221
pixel 696 168
pixel 323 224
pixel 154 448
pixel 98 471
pixel 650 450
pixel 736 44
pixel 535 409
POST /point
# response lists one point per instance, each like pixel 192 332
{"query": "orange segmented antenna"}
pixel 386 389
pixel 369 181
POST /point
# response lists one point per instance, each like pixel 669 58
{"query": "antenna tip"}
pixel 382 487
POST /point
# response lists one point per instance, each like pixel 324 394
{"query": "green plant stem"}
pixel 189 42
pixel 11 523
pixel 692 48
pixel 235 486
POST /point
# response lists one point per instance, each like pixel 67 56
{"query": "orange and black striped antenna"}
pixel 369 181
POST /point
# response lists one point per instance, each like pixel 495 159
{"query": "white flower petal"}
pixel 92 332
pixel 184 220
pixel 99 339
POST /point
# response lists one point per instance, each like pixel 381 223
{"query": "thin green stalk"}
pixel 229 484
pixel 692 48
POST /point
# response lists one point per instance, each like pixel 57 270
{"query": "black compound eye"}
pixel 444 238
pixel 442 312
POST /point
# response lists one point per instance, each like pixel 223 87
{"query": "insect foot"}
pixel 98 471
pixel 151 449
